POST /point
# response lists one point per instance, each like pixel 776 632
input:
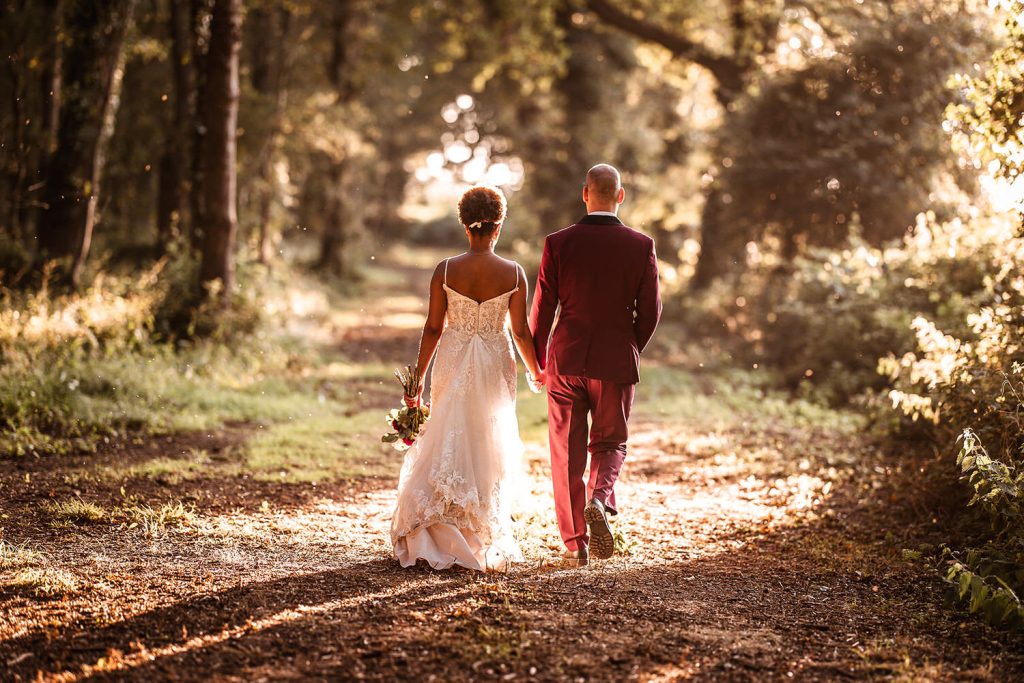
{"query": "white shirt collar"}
pixel 602 213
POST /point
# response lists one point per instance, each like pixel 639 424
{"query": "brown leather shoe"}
pixel 601 540
pixel 570 559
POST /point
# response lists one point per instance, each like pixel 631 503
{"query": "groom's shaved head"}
pixel 603 182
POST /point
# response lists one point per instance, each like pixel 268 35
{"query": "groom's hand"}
pixel 536 382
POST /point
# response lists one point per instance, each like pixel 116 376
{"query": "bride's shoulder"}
pixel 440 271
pixel 510 262
pixel 518 269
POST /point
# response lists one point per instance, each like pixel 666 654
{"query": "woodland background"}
pixel 833 187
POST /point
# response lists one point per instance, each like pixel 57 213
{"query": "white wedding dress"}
pixel 458 478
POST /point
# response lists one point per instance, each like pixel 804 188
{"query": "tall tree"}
pixel 269 59
pixel 220 186
pixel 93 68
pixel 340 72
pixel 52 74
pixel 174 165
pixel 200 20
pixel 744 83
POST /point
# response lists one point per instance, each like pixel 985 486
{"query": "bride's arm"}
pixel 433 326
pixel 520 329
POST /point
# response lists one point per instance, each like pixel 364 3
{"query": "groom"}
pixel 604 276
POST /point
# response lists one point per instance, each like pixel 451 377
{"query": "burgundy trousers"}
pixel 570 401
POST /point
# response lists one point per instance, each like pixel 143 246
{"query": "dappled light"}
pixel 716 510
pixel 271 407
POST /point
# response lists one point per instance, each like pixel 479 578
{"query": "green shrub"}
pixel 991 575
pixel 823 322
pixel 968 388
pixel 184 311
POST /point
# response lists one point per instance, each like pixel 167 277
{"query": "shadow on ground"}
pixel 819 601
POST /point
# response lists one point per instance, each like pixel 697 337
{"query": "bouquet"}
pixel 406 422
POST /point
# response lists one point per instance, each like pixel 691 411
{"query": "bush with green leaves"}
pixel 967 387
pixel 822 323
pixel 991 575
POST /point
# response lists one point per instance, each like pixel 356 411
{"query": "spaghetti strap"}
pixel 446 272
pixel 516 266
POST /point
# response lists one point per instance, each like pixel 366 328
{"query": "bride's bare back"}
pixel 482 276
pixel 479 275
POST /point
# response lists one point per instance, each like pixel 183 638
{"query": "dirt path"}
pixel 763 541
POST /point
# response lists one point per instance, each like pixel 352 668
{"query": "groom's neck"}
pixel 610 208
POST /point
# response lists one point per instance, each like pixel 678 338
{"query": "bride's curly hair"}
pixel 481 208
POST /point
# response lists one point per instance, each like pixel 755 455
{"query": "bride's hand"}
pixel 413 401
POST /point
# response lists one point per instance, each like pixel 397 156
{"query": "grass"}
pixel 17 556
pixel 82 368
pixel 154 521
pixel 323 448
pixel 74 401
pixel 75 511
pixel 173 469
pixel 25 569
pixel 731 397
pixel 45 582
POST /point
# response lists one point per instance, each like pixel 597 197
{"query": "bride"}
pixel 455 487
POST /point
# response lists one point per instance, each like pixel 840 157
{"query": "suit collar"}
pixel 592 219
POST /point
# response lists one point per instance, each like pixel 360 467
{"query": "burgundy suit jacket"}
pixel 605 277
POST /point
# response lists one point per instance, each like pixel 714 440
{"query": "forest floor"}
pixel 761 538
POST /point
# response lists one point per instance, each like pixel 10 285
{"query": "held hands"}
pixel 536 382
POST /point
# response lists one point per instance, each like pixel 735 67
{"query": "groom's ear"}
pixel 586 194
pixel 622 195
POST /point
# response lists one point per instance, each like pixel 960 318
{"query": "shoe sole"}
pixel 602 543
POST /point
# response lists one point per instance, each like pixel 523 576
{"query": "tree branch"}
pixel 727 71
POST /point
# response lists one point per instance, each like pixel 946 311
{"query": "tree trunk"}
pixel 717 255
pixel 722 247
pixel 52 77
pixel 335 237
pixel 175 165
pixel 220 94
pixel 168 198
pixel 93 68
pixel 269 71
pixel 20 155
pixel 198 38
pixel 332 243
pixel 389 224
pixel 338 70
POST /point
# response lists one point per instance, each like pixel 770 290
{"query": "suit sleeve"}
pixel 648 302
pixel 545 302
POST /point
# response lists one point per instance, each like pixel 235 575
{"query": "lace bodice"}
pixel 466 315
pixel 484 318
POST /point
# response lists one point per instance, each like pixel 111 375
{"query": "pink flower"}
pixel 407 441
